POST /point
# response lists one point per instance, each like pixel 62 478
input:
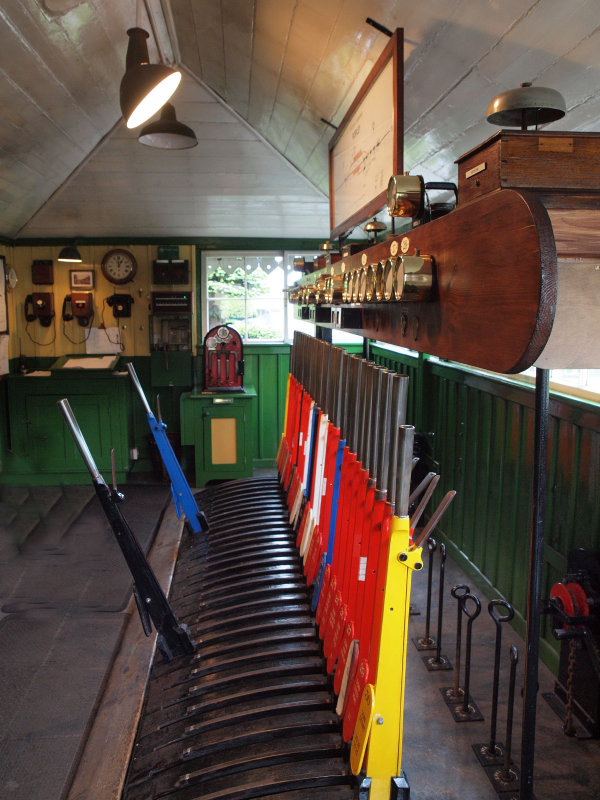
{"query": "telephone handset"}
pixel 40 306
pixel 78 305
pixel 67 309
pixel 120 304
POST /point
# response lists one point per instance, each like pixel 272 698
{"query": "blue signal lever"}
pixel 184 500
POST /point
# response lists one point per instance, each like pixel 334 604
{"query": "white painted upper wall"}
pixel 259 77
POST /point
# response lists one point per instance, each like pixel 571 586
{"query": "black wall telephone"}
pixel 40 305
pixel 120 304
pixel 78 305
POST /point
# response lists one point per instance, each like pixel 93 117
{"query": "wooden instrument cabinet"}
pixel 553 161
pixel 509 279
pixel 219 427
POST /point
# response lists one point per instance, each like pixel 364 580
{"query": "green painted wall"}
pixel 4 433
pixel 266 368
pixel 480 435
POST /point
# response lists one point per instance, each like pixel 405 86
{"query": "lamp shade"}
pixel 167 133
pixel 70 254
pixel 145 87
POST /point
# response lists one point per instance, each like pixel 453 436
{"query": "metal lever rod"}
pixel 398 418
pixel 173 639
pixel 327 388
pixel 115 491
pixel 367 415
pixel 293 354
pixel 435 518
pixel 345 399
pixel 383 445
pixel 374 437
pixel 183 498
pixel 338 375
pixel 84 450
pixel 315 365
pixel 416 493
pixel 498 620
pixel 357 418
pixel 113 468
pixel 406 436
pixel 351 410
pixel 414 520
pixel 138 387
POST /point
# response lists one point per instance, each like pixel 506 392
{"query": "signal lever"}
pixel 173 638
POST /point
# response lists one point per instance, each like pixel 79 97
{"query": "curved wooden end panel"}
pixel 496 285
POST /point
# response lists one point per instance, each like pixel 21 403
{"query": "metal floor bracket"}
pixel 399 789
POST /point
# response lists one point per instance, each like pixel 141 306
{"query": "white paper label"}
pixel 362 568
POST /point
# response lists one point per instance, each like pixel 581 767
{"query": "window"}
pixel 247 290
pixel 584 383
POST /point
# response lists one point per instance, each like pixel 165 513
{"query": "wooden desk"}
pixel 42 450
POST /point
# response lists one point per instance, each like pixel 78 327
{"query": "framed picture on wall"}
pixel 82 279
pixel 3 301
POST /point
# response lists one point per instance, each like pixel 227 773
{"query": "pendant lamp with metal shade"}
pixel 70 254
pixel 145 87
pixel 167 133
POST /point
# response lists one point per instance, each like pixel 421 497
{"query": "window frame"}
pixel 526 380
pixel 287 256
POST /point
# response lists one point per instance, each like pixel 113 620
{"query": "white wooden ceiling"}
pixel 259 77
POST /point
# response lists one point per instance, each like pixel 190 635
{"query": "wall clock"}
pixel 119 266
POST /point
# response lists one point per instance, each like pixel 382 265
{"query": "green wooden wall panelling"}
pixel 42 450
pixel 4 432
pixel 480 430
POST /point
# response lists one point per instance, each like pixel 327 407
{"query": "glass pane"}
pixel 251 263
pixel 246 291
pixel 293 276
pixel 222 283
pixel 276 281
pixel 230 311
pixel 265 319
pixel 265 306
pixel 343 337
pixel 257 283
pixel 587 379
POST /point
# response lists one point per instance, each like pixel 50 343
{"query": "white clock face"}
pixel 119 266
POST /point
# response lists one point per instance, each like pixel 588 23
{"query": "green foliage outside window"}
pixel 249 300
